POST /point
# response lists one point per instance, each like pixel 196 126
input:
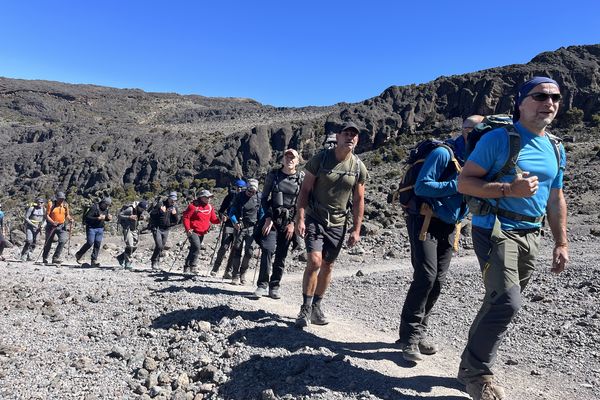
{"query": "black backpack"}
pixel 405 194
pixel 479 206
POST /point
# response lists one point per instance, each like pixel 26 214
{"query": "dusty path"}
pixel 59 325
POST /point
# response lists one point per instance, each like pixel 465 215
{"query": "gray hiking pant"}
pixel 195 245
pixel 31 235
pixel 507 263
pixel 131 238
pixel 63 236
pixel 160 239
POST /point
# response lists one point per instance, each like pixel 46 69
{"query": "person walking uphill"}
pixel 95 219
pixel 228 229
pixel 332 178
pixel 197 218
pixel 129 219
pixel 162 217
pixel 506 233
pixel 34 220
pixel 432 212
pixel 244 214
pixel 279 203
pixel 57 213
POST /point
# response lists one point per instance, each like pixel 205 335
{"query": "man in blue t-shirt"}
pixel 507 241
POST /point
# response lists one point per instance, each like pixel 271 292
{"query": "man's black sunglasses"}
pixel 538 96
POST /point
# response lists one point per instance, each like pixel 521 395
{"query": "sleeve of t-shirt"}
pixel 312 166
pixel 487 151
pixel 557 183
pixel 363 174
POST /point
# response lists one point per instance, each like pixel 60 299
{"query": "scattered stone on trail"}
pixel 119 353
pixel 356 250
pixel 150 364
pixel 359 273
pixel 268 394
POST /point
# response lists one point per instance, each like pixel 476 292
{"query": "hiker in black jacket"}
pixel 162 217
pixel 228 230
pixel 95 218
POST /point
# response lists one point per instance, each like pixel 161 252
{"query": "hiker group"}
pixel 506 172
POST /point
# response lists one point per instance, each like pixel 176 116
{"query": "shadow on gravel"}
pixel 295 374
pixel 203 290
pixel 214 315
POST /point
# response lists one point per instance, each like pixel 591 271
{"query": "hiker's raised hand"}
pixel 523 185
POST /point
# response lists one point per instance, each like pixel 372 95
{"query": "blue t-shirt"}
pixel 537 156
pixel 446 202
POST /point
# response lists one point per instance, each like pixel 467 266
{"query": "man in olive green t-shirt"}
pixel 332 177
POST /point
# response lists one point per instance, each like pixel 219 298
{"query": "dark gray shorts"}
pixel 328 241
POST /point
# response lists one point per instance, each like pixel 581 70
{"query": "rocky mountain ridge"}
pixel 86 138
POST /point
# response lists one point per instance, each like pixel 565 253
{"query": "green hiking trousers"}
pixel 507 263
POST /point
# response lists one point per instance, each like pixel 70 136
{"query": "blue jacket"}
pixel 443 196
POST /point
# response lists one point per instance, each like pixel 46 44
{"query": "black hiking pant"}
pixel 430 259
pixel 63 236
pixel 275 243
pixel 226 240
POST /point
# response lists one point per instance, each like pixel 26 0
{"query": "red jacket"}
pixel 198 218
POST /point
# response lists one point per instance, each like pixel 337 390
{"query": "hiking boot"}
pixel 155 265
pixel 235 280
pixel 193 270
pixel 317 317
pixel 23 257
pixel 274 293
pixel 243 279
pixel 45 262
pixel 121 259
pixel 485 390
pixel 411 352
pixel 78 259
pixel 428 347
pixel 128 265
pixel 261 291
pixel 213 274
pixel 95 264
pixel 227 275
pixel 303 319
pixel 56 261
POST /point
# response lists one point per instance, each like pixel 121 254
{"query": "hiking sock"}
pixel 308 300
pixel 317 300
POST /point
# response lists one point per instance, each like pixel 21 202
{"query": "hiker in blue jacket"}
pixel 438 205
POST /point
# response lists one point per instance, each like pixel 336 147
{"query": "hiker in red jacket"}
pixel 197 218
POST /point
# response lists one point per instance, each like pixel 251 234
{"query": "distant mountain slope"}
pixel 87 138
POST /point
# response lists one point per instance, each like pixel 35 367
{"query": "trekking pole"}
pixel 257 265
pixel 45 243
pixel 217 245
pixel 178 253
pixel 69 241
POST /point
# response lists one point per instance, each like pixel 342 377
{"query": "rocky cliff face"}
pixel 86 138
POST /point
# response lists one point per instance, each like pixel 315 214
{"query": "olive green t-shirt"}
pixel 333 186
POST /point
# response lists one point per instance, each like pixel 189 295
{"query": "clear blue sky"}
pixel 283 53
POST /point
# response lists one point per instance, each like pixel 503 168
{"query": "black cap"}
pixel 350 126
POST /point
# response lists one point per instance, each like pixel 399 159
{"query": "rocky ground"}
pixel 101 333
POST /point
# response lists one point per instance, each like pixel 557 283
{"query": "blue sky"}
pixel 277 52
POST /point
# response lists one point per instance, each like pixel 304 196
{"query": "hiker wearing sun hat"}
pixel 507 238
pixel 197 219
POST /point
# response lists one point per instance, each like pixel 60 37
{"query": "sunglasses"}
pixel 538 96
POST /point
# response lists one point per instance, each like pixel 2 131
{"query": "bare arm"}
pixel 471 182
pixel 557 219
pixel 302 202
pixel 358 211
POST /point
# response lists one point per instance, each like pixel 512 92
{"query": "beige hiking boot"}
pixel 485 390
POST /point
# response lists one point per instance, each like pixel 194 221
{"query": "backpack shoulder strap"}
pixel 514 148
pixel 556 143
